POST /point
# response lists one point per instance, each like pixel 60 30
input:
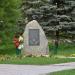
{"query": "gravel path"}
pixel 7 69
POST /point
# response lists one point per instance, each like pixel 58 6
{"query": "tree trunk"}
pixel 56 41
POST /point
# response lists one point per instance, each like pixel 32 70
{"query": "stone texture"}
pixel 40 45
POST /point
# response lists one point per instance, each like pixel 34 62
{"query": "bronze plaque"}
pixel 34 39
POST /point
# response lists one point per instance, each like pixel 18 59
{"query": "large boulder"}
pixel 35 41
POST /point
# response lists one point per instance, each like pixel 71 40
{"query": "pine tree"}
pixel 53 15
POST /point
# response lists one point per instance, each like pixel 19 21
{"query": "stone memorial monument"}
pixel 35 41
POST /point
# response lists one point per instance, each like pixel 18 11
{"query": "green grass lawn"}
pixel 66 72
pixel 8 55
pixel 33 60
pixel 63 49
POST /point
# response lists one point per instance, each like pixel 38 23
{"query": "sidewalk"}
pixel 7 69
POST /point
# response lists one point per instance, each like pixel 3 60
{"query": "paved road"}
pixel 6 69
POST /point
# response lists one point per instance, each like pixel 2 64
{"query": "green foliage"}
pixel 63 49
pixel 7 50
pixel 9 12
pixel 50 16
